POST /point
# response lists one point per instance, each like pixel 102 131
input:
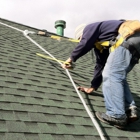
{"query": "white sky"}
pixel 42 14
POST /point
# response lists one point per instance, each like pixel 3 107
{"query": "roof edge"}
pixel 32 27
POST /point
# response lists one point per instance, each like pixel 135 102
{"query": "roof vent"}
pixel 60 25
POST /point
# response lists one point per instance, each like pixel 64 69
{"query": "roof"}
pixel 37 99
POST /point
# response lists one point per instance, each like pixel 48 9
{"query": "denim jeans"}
pixel 116 90
pixel 117 95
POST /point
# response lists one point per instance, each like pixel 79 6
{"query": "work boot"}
pixel 117 122
pixel 132 114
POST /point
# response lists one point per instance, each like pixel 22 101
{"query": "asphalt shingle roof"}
pixel 37 99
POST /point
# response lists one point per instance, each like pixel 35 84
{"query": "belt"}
pixel 119 40
pixel 109 44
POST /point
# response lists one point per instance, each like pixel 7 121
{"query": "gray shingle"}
pixel 37 99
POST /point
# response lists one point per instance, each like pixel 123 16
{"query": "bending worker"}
pixel 122 39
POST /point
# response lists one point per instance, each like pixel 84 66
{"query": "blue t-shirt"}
pixel 98 31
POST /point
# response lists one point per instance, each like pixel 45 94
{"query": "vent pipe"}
pixel 60 25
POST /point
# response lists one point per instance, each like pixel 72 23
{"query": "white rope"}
pixel 26 32
pixel 68 73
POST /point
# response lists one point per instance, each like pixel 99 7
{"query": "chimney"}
pixel 60 25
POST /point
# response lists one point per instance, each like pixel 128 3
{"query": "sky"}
pixel 42 14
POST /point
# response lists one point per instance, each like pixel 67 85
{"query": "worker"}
pixel 115 60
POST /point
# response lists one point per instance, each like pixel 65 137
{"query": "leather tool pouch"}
pixel 129 27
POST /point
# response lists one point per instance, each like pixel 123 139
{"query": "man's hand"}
pixel 67 64
pixel 86 90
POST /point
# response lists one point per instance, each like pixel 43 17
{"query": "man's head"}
pixel 79 31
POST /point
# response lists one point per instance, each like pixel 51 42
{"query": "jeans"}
pixel 117 94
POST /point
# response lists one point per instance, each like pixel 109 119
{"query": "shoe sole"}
pixel 117 126
pixel 133 119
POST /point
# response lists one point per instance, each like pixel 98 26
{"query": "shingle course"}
pixel 38 101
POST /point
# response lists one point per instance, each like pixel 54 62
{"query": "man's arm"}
pixel 101 59
pixel 89 37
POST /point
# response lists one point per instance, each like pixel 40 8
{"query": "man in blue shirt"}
pixel 115 66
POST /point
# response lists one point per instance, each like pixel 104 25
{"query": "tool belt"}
pixel 112 44
pixel 129 27
pixel 126 29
